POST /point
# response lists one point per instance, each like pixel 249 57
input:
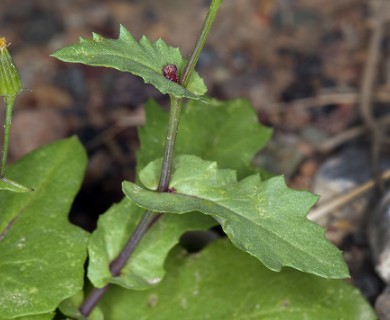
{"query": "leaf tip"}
pixel 97 37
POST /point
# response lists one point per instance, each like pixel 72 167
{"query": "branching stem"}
pixel 200 42
pixel 149 218
pixel 173 127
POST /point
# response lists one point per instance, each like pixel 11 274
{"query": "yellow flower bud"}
pixel 10 83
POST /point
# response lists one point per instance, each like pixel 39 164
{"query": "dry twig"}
pixel 370 74
pixel 334 204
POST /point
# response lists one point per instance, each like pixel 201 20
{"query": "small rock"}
pixel 382 305
pixel 379 238
pixel 282 155
pixel 314 136
pixel 339 174
pixel 358 258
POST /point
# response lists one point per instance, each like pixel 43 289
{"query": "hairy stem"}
pixel 173 127
pixel 199 44
pixel 93 298
pixel 9 105
pixel 149 218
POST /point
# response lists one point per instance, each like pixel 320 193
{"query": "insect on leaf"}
pixel 145 58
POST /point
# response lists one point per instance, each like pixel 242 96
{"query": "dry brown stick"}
pixel 371 67
pixel 326 99
pixel 135 120
pixel 323 209
pixel 104 137
pixel 347 135
pixel 369 76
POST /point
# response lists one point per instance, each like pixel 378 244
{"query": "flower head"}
pixel 10 83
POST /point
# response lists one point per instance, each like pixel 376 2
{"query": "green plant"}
pixel 209 181
pixel 10 87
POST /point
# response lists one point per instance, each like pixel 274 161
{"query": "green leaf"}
pixel 264 218
pixel 227 132
pixel 222 282
pixel 10 82
pixel 41 254
pixel 144 58
pixel 145 268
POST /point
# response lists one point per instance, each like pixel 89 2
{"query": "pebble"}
pixel 281 156
pixel 379 237
pixel 337 175
pixel 382 305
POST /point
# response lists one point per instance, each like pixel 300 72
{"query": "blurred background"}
pixel 318 72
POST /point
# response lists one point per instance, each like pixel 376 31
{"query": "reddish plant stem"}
pixel 149 218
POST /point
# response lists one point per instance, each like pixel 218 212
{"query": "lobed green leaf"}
pixel 264 218
pixel 145 268
pixel 41 254
pixel 144 58
pixel 222 282
pixel 227 132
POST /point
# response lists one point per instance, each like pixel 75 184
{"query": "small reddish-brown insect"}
pixel 170 72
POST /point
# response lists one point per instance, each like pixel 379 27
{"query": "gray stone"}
pixel 379 237
pixel 382 305
pixel 340 174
